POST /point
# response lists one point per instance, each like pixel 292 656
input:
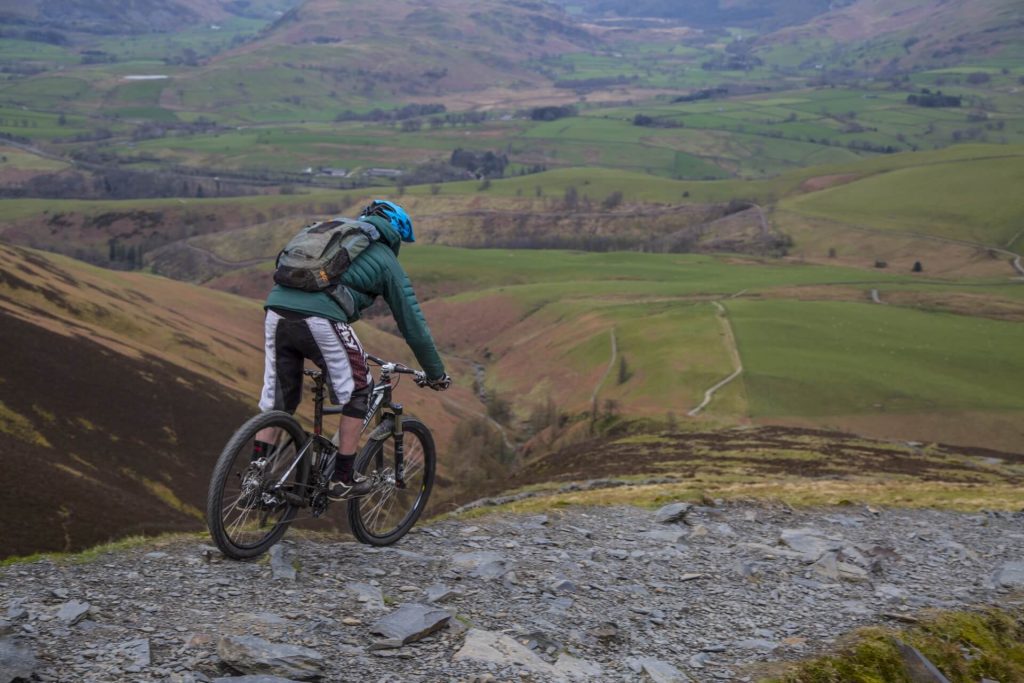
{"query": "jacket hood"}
pixel 388 235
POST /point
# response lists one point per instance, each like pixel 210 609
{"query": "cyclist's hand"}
pixel 439 384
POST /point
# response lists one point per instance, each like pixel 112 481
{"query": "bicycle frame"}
pixel 388 422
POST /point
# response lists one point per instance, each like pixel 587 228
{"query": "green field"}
pixel 806 355
pixel 749 137
pixel 825 358
pixel 964 200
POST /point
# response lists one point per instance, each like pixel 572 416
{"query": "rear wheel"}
pixel 246 511
pixel 388 512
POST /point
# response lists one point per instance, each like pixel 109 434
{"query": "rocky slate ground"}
pixel 619 594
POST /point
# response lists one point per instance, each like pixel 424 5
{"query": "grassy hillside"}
pixel 962 200
pixel 837 358
pixel 814 352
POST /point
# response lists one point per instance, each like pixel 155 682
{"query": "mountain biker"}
pixel 300 325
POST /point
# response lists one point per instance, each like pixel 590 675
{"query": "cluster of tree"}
pixel 124 256
pixel 584 84
pixel 22 69
pixel 655 122
pixel 436 171
pixel 187 57
pixel 12 137
pixel 705 94
pixel 94 135
pixel 97 57
pixel 409 111
pixel 967 134
pixel 150 130
pixel 552 112
pixel 121 184
pixel 483 455
pixel 485 164
pixel 36 35
pixel 727 62
pixel 927 98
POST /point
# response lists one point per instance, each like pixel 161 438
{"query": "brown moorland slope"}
pixel 96 444
pixel 118 390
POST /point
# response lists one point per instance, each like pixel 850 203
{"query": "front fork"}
pixel 399 446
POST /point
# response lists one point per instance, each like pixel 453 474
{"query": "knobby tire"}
pixel 230 522
pixel 387 513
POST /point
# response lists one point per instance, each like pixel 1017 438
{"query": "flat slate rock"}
pixel 409 623
pixel 137 652
pixel 252 655
pixel 17 660
pixel 1010 575
pixel 369 596
pixel 73 612
pixel 503 650
pixel 670 536
pixel 281 563
pixel 439 593
pixel 253 679
pixel 660 671
pixel 811 543
pixel 673 512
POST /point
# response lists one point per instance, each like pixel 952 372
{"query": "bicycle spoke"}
pixel 246 511
pixel 374 513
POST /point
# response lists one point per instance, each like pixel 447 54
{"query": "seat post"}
pixel 318 400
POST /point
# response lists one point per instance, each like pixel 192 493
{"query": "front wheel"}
pixel 248 508
pixel 386 513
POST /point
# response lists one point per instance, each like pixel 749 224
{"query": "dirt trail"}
pixel 733 352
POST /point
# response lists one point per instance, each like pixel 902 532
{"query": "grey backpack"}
pixel 315 259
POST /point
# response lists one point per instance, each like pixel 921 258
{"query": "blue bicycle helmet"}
pixel 395 214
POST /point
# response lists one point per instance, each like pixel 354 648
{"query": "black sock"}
pixel 343 467
pixel 261 449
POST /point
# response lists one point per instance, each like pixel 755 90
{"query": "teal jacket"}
pixel 376 272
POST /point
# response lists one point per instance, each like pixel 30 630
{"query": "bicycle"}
pixel 252 502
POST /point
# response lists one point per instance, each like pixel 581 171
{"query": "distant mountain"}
pixel 407 47
pixel 134 16
pixel 880 35
pixel 764 15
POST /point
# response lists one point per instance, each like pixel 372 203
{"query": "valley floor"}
pixel 599 593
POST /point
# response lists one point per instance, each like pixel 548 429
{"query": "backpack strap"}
pixel 341 296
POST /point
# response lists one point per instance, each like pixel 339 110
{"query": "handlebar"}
pixel 398 368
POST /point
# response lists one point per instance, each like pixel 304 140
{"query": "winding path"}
pixel 733 351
